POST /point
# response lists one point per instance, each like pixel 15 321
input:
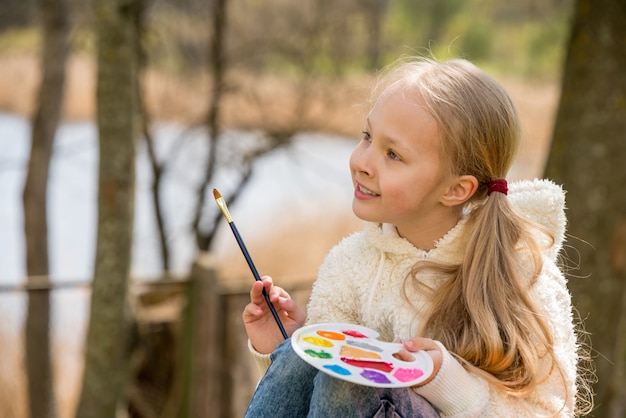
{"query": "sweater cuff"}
pixel 454 390
pixel 262 361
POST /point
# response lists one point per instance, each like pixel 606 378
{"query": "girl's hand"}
pixel 259 322
pixel 429 346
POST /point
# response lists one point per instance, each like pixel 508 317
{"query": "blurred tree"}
pixel 40 379
pixel 217 57
pixel 158 167
pixel 206 220
pixel 17 13
pixel 374 11
pixel 587 156
pixel 438 14
pixel 107 347
pixel 54 51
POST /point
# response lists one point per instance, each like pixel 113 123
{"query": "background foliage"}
pixel 329 38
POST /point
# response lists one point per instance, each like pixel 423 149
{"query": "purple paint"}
pixel 338 369
pixel 375 376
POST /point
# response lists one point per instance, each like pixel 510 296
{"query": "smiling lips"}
pixel 364 192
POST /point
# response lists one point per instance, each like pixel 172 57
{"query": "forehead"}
pixel 400 111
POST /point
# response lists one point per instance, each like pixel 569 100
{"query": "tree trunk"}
pixel 587 157
pixel 374 11
pixel 106 362
pixel 45 121
pixel 158 168
pixel 217 56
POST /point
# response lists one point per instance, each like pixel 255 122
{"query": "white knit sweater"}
pixel 361 282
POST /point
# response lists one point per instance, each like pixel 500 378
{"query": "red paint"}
pixel 355 334
pixel 369 364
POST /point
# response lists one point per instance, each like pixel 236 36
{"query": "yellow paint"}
pixel 317 341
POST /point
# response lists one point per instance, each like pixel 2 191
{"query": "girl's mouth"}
pixel 363 190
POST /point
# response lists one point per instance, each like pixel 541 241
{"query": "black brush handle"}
pixel 255 273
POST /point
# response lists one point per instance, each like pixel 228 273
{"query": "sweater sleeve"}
pixel 262 361
pixel 458 392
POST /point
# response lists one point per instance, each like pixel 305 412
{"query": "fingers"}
pixel 267 284
pixel 427 345
pixel 404 355
pixel 292 310
pixel 417 344
pixel 278 297
pixel 252 312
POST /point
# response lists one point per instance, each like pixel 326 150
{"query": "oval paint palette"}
pixel 353 353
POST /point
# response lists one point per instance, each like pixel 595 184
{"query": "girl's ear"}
pixel 460 191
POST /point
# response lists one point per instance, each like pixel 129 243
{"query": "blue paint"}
pixel 338 369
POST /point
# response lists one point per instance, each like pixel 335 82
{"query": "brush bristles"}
pixel 222 205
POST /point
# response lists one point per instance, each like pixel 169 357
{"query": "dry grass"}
pixel 260 102
pixel 268 102
pixel 295 250
pixel 12 377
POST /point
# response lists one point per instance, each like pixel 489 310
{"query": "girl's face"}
pixel 397 168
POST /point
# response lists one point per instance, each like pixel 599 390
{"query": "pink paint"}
pixel 369 364
pixel 407 375
pixel 353 333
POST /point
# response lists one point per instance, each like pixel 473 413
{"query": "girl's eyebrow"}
pixel 391 141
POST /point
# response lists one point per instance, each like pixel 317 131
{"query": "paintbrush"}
pixel 222 204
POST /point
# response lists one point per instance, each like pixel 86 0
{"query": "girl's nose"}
pixel 360 161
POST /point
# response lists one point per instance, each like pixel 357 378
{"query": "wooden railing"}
pixel 191 356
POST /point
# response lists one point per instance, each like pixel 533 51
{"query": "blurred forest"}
pixel 274 46
pixel 275 68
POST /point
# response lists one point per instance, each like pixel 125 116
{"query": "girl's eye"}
pixel 366 136
pixel 392 155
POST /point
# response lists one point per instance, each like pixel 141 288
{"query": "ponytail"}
pixel 496 326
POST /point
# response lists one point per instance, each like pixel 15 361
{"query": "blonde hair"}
pixel 483 313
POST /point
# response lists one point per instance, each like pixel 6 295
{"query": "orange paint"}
pixel 332 335
pixel 357 353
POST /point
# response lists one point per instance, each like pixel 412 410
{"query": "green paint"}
pixel 318 354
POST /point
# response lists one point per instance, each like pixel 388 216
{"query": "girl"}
pixel 450 261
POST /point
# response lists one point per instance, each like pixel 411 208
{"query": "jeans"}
pixel 292 388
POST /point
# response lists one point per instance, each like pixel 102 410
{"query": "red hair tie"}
pixel 498 185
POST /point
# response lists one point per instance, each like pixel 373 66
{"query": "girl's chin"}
pixel 365 215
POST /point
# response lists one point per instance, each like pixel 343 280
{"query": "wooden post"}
pixel 204 348
pixel 242 371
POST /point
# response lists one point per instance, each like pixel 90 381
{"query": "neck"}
pixel 425 234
